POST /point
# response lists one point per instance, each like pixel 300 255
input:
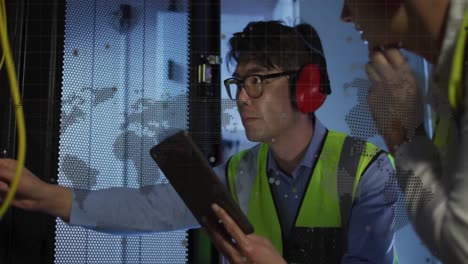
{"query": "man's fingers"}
pixel 223 244
pixel 395 65
pixel 231 226
pixel 4 185
pixel 396 59
pixel 7 163
pixel 378 57
pixel 7 169
pixel 4 188
pixel 382 66
pixel 372 73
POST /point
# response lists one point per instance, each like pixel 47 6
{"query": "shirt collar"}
pixel 311 152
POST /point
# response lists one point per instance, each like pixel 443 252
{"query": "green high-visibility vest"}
pixel 455 86
pixel 341 163
pixel 446 126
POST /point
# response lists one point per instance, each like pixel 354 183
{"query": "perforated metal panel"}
pixel 125 86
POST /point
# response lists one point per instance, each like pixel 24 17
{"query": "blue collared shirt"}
pixel 159 208
pixel 371 233
pixel 288 191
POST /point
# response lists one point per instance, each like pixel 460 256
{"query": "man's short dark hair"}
pixel 275 45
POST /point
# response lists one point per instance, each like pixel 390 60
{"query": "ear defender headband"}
pixel 310 86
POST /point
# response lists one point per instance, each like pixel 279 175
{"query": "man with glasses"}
pixel 300 190
pixel 313 194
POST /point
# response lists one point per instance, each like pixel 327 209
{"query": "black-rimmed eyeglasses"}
pixel 253 84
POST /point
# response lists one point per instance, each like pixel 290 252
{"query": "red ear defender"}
pixel 309 93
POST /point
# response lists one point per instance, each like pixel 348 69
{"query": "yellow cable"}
pixel 15 94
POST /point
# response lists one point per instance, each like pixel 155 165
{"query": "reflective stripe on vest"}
pixel 341 158
pixel 445 126
pixel 455 87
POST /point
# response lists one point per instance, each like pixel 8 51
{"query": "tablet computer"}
pixel 194 180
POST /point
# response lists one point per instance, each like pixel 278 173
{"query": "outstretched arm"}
pixel 33 194
pixel 114 210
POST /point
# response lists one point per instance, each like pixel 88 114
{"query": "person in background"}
pixel 432 171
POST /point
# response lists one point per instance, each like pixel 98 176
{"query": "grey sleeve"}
pixel 121 210
pixel 437 198
pixel 131 211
